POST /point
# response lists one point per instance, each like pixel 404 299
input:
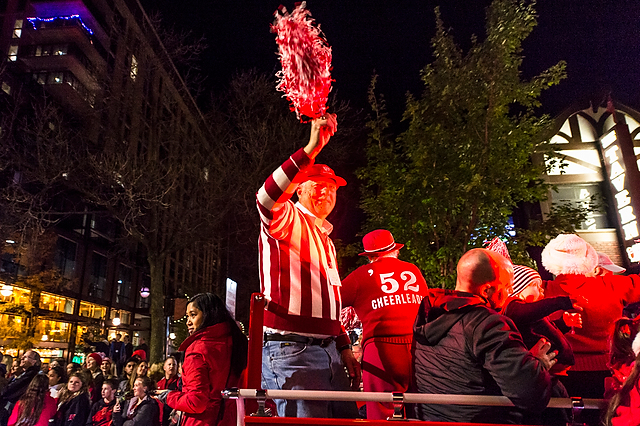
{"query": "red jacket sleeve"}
pixel 196 380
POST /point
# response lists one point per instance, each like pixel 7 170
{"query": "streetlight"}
pixel 6 290
pixel 116 320
pixel 144 292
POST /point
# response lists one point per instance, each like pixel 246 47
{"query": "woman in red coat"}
pixel 215 356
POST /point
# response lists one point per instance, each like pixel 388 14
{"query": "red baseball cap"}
pixel 320 172
pixel 379 242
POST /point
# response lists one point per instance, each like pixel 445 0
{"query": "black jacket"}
pixel 533 324
pixel 74 412
pixel 146 413
pixel 17 387
pixel 461 346
pixel 101 413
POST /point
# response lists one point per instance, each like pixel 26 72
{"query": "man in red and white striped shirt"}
pixel 305 346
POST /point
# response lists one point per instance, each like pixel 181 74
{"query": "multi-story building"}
pixel 600 150
pixel 104 64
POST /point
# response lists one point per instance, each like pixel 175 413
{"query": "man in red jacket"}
pixel 386 294
pixel 305 348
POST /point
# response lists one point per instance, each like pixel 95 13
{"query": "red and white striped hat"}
pixel 522 277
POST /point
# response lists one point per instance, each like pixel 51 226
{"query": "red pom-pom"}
pixel 305 56
pixel 350 319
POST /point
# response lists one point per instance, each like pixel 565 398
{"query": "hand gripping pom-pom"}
pixel 305 56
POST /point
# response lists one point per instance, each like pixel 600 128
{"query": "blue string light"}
pixel 34 20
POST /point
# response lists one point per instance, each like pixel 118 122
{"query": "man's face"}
pixel 108 393
pixel 170 367
pixel 28 360
pixel 318 196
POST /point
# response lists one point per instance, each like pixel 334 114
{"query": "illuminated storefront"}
pixel 600 161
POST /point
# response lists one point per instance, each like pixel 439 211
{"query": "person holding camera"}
pixel 142 409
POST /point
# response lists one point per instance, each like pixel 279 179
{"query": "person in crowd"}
pixel 74 404
pixel 3 377
pixel 574 263
pixel 215 358
pixel 129 375
pixel 16 369
pixel 143 369
pixel 302 323
pixel 171 377
pixel 530 313
pixel 117 353
pixel 142 409
pixel 168 382
pixel 58 362
pixel 94 361
pixel 128 347
pixel 35 407
pixel 30 366
pixel 73 367
pixel 57 380
pixel 7 360
pixel 386 294
pixel 140 354
pixel 102 411
pixel 621 354
pixel 462 345
pixel 106 367
pixel 624 406
pixel 142 346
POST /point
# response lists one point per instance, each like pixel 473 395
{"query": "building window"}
pixel 98 280
pixel 52 302
pixel 52 331
pixel 13 53
pixel 65 258
pixel 123 291
pixel 11 325
pixel 125 316
pixel 17 29
pixel 91 310
pixel 55 78
pixel 19 296
pixel 580 195
pixel 134 68
pixel 59 49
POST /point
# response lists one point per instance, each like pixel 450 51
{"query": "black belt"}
pixel 313 341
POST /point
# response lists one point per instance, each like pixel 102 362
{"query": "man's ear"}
pixel 485 290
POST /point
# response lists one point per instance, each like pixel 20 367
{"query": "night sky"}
pixel 600 40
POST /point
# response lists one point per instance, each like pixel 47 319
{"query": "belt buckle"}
pixel 326 342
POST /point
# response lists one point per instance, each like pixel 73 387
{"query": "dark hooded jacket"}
pixel 461 346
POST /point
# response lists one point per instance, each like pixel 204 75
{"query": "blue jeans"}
pixel 297 366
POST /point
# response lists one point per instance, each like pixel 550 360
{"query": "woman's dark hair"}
pixel 32 401
pixel 624 331
pixel 622 396
pixel 60 371
pixel 214 312
pixel 74 367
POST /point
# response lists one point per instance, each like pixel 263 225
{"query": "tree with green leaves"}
pixel 451 180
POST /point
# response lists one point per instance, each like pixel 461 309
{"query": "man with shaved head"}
pixel 462 345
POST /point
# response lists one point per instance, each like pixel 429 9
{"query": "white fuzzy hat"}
pixel 636 344
pixel 569 254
